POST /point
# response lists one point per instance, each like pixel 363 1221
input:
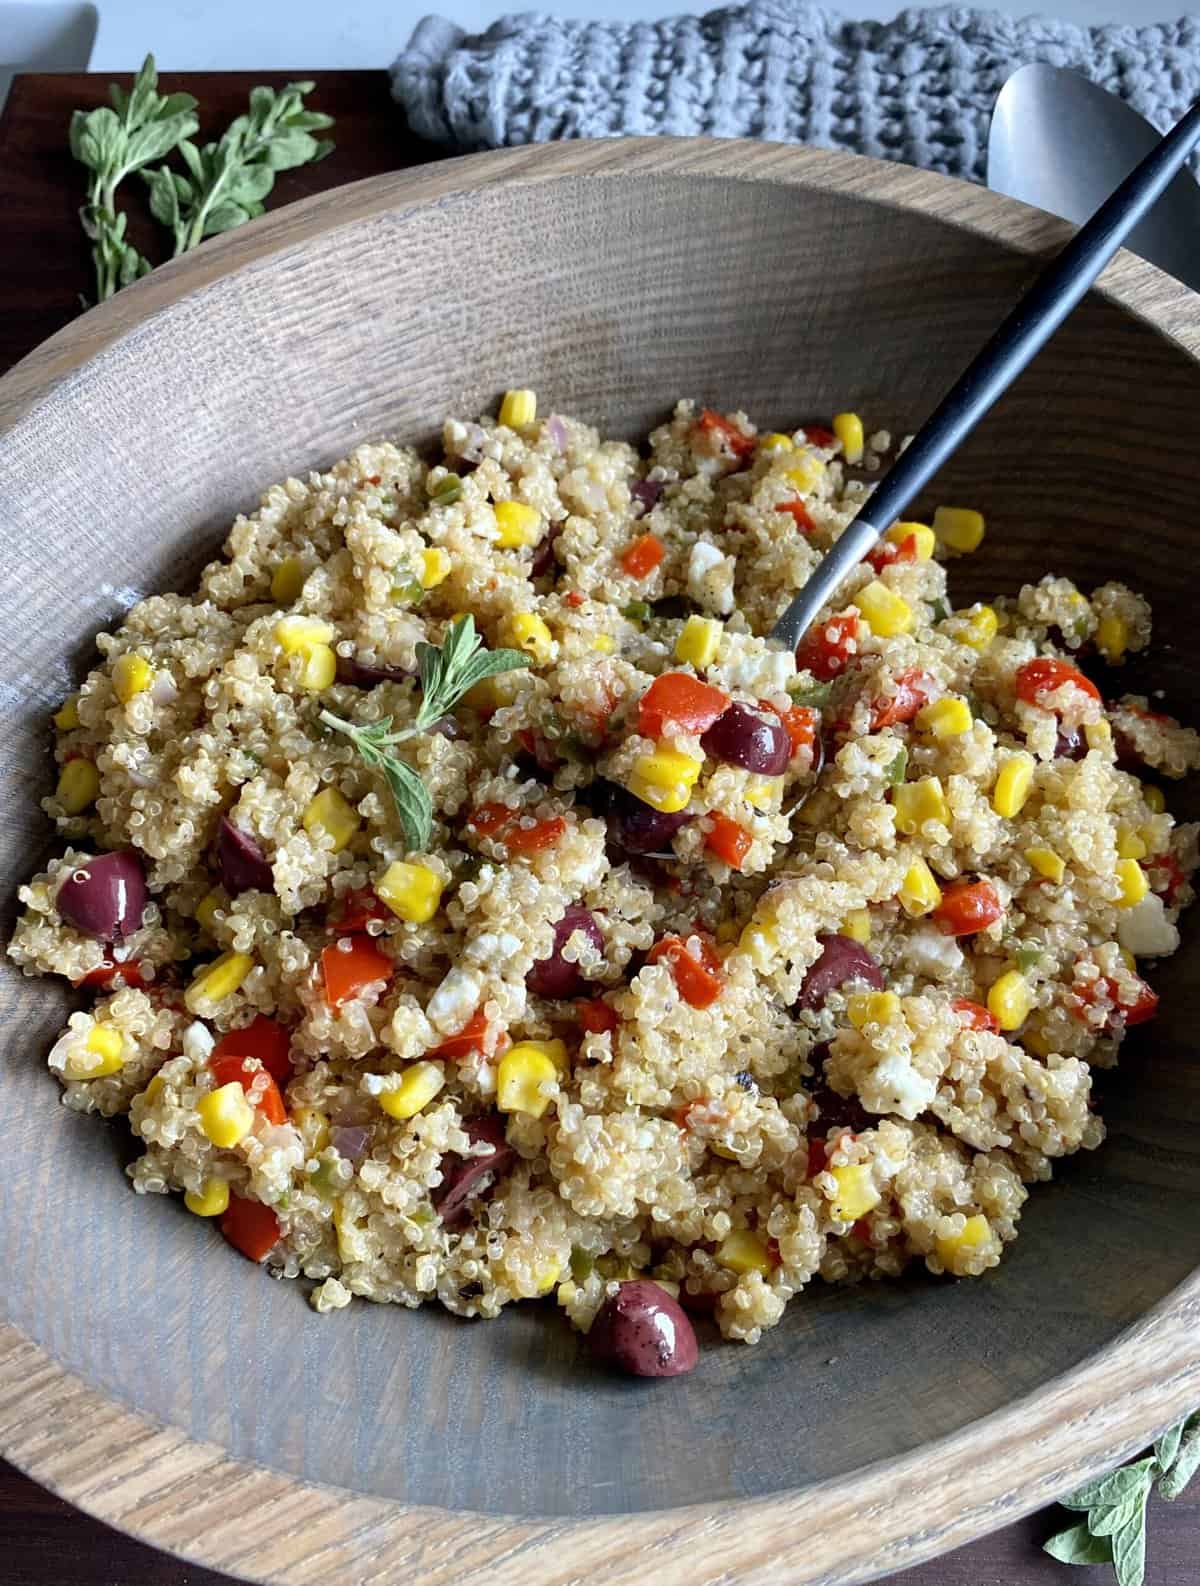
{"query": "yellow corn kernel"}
pixel 945 718
pixel 226 1117
pixel 295 635
pixel 885 613
pixel 805 473
pixel 518 408
pixel 78 785
pixel 698 642
pixel 546 1274
pixel 318 668
pixel 331 815
pixel 132 675
pixel 1128 959
pixel 522 1073
pixel 857 925
pixel 491 693
pixel 287 581
pixel 217 980
pixel 848 429
pixel 351 1244
pixel 1035 1042
pixel 206 909
pixel 411 891
pixel 1153 797
pixel 775 442
pixel 1098 734
pixel 975 1233
pixel 66 717
pixel 745 1251
pixel 1013 783
pixel 976 626
pixel 419 1084
pixel 926 540
pixel 667 800
pixel 872 1007
pixel 760 791
pixel 917 803
pixel 313 1125
pixel 1112 637
pixel 667 769
pixel 212 1201
pixel 605 643
pixel 154 1090
pixel 434 568
pixel 959 528
pixel 1129 843
pixel 856 1193
pixel 1047 863
pixel 1134 885
pixel 105 1047
pixel 524 630
pixel 516 524
pixel 759 943
pixel 1009 1000
pixel 919 892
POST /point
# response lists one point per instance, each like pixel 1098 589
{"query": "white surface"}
pixel 200 35
pixel 44 38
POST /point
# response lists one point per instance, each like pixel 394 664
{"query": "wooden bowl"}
pixel 168 1387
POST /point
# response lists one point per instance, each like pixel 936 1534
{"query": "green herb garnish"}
pixel 447 673
pixel 638 611
pixel 1028 957
pixel 446 491
pixel 407 589
pixel 939 610
pixel 897 769
pixel 1114 1530
pixel 226 181
pixel 816 695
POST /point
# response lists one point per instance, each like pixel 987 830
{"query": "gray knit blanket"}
pixel 919 89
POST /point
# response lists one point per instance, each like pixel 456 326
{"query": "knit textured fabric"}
pixel 919 89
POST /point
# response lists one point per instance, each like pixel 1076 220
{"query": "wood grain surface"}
pixel 189 1495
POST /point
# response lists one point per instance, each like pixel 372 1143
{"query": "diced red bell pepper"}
pixel 473 1037
pixel 596 1016
pixel 887 552
pixel 912 693
pixel 698 979
pixel 534 839
pixel 975 1016
pixel 251 1227
pixel 573 599
pixel 818 435
pixel 800 515
pixel 1045 675
pixel 817 1157
pixel 488 819
pixel 676 702
pixel 129 973
pixel 358 909
pixel 729 841
pixel 968 906
pixel 640 558
pixel 717 426
pixel 1142 1008
pixel 1167 877
pixel 261 1090
pixel 827 649
pixel 267 1040
pixel 801 723
pixel 347 973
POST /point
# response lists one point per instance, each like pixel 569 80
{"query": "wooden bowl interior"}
pixel 612 297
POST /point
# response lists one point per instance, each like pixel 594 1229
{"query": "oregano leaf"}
pixel 1187 1460
pixel 1167 1446
pixel 1077 1545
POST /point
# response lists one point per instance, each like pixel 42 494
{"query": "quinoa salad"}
pixel 473 905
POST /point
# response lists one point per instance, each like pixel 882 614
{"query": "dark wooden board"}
pixel 44 274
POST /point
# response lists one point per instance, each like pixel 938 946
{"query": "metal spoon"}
pixel 1062 143
pixel 1026 330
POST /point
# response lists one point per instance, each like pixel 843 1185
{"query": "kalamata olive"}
pixel 641 1330
pixel 639 829
pixel 464 1179
pixel 556 976
pixel 350 1140
pixel 543 557
pixel 104 897
pixel 745 737
pixel 446 727
pixel 835 1112
pixel 645 494
pixel 359 675
pixel 1070 744
pixel 556 432
pixel 242 863
pixel 841 959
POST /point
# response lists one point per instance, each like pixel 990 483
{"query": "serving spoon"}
pixel 1022 335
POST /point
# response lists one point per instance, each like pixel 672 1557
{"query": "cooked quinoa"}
pixel 739 968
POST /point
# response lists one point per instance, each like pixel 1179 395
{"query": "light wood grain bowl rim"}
pixel 194 1500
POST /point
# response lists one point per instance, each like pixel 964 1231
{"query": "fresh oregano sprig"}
pixel 142 126
pixel 447 673
pixel 1114 1528
pixel 227 181
pixel 225 184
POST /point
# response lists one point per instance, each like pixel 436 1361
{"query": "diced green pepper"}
pixel 897 769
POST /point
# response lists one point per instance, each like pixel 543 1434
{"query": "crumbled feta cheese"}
pixel 1145 930
pixel 198 1042
pixel 454 1001
pixel 751 664
pixel 929 951
pixel 710 577
pixel 896 1082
